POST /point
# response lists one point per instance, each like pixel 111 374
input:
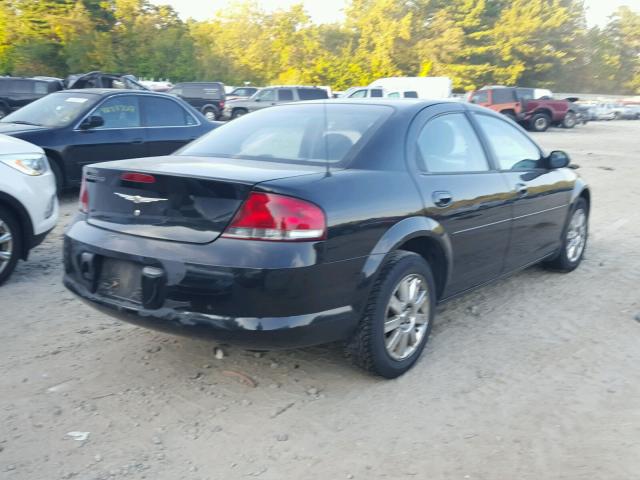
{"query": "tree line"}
pixel 544 43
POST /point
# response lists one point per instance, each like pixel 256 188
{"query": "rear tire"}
pixel 210 114
pixel 392 316
pixel 574 242
pixel 540 122
pixel 570 120
pixel 10 243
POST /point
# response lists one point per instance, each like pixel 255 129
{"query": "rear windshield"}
pixel 310 133
pixel 55 110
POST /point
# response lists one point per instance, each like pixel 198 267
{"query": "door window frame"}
pixel 142 117
pixel 426 115
pixel 494 158
pixel 144 114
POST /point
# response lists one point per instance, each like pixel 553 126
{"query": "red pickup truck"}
pixel 520 105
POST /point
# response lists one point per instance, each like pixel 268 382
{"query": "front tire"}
pixel 57 174
pixel 10 243
pixel 238 112
pixel 574 242
pixel 540 122
pixel 397 319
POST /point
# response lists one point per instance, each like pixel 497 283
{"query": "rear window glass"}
pixel 312 93
pixel 293 133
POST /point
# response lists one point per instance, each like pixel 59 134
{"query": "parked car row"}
pixel 79 127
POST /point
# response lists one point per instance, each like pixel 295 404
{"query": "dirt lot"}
pixel 536 377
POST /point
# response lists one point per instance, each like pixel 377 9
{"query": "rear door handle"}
pixel 442 199
pixel 521 189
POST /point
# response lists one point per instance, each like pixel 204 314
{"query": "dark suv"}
pixel 16 92
pixel 206 97
pixel 270 96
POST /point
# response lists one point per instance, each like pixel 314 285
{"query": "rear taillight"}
pixel 138 177
pixel 84 196
pixel 221 104
pixel 269 216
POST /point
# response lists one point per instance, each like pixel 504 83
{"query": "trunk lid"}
pixel 184 199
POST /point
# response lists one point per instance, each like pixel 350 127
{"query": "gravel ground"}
pixel 534 377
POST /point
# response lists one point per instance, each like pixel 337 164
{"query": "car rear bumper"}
pixel 265 306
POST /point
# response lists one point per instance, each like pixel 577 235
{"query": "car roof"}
pixel 105 92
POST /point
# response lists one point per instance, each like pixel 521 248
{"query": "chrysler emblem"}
pixel 139 199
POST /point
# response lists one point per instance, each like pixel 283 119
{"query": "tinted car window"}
pixel 163 112
pixel 294 133
pixel 312 93
pixel 480 97
pixel 55 110
pixel 268 95
pixel 377 93
pixel 22 86
pixel 449 144
pixel 244 92
pixel 525 94
pixel 41 88
pixel 284 95
pixel 512 148
pixel 122 111
pixel 411 94
pixel 502 95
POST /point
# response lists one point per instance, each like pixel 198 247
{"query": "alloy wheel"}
pixel 576 235
pixel 407 317
pixel 6 245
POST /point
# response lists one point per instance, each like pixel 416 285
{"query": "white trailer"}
pixel 415 87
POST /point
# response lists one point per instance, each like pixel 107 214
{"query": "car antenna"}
pixel 326 141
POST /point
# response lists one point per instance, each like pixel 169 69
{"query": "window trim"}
pixel 77 128
pixel 490 148
pixel 490 164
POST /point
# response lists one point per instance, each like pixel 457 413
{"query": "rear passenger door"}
pixel 542 196
pixel 168 125
pixel 463 192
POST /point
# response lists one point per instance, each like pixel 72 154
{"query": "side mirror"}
pixel 558 159
pixel 94 121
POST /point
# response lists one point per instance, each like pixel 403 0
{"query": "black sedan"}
pixel 315 222
pixel 78 127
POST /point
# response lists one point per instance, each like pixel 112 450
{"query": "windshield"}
pixel 303 133
pixel 54 110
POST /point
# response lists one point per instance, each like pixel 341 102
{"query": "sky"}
pixel 324 11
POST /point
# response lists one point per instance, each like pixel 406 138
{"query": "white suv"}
pixel 28 202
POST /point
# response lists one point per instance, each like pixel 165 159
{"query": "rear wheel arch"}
pixel 21 214
pixel 421 235
pixel 434 254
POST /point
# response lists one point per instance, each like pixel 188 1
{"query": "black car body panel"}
pixel 71 147
pixel 267 294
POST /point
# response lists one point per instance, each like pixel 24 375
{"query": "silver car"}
pixel 270 96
